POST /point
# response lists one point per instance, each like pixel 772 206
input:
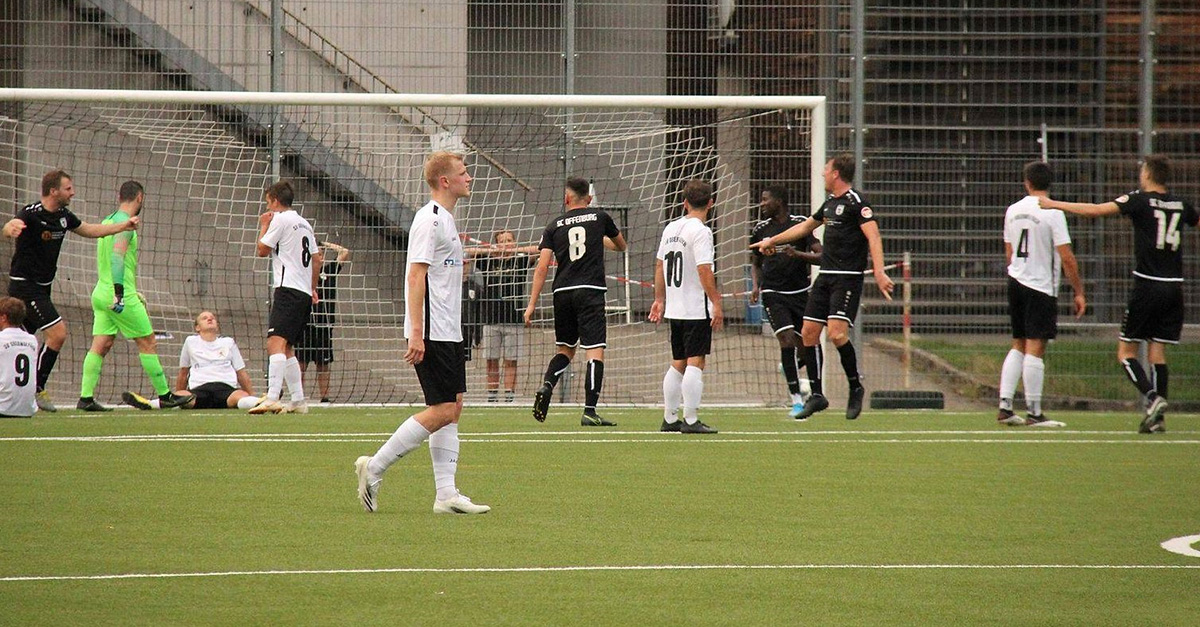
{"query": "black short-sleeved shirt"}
pixel 36 255
pixel 1157 239
pixel 324 312
pixel 781 272
pixel 577 239
pixel 846 247
pixel 504 279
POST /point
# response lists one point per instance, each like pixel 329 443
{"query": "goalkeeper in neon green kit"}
pixel 117 306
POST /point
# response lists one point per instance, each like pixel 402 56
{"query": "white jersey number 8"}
pixel 577 238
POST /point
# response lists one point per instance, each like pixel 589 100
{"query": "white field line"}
pixel 598 568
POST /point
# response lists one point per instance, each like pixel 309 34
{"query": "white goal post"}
pixel 356 158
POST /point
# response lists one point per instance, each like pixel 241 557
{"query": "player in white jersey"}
pixel 295 263
pixel 433 328
pixel 211 369
pixel 1036 245
pixel 18 362
pixel 685 292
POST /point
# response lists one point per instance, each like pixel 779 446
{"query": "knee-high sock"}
pixel 593 385
pixel 246 402
pixel 558 364
pixel 1010 375
pixel 1032 374
pixel 92 364
pixel 672 394
pixel 154 369
pixel 850 364
pixel 693 388
pixel 294 379
pixel 408 436
pixel 787 359
pixel 443 450
pixel 46 360
pixel 1133 370
pixel 276 364
pixel 812 363
pixel 1160 379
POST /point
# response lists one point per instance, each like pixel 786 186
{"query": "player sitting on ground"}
pixel 211 368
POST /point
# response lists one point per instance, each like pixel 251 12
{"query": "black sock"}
pixel 591 387
pixel 1133 370
pixel 558 364
pixel 45 364
pixel 1160 379
pixel 850 364
pixel 812 363
pixel 787 358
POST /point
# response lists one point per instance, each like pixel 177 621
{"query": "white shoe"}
pixel 459 504
pixel 367 489
pixel 266 406
pixel 296 407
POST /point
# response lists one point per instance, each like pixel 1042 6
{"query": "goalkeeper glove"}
pixel 118 298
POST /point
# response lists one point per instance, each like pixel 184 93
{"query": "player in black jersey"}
pixel 577 239
pixel 1155 310
pixel 850 234
pixel 39 229
pixel 783 281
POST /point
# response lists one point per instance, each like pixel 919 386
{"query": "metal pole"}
pixel 569 58
pixel 1146 99
pixel 276 81
pixel 1044 140
pixel 857 124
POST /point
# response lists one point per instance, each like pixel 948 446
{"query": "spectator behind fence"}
pixel 503 269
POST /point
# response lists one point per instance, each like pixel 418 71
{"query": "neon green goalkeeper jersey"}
pixel 124 272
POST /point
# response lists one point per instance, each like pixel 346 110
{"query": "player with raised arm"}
pixel 685 292
pixel 211 369
pixel 1036 246
pixel 576 239
pixel 850 234
pixel 18 354
pixel 39 229
pixel 295 264
pixel 783 282
pixel 1155 311
pixel 118 307
pixel 433 327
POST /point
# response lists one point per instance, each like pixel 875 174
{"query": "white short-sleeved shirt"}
pixel 1035 235
pixel 433 239
pixel 686 244
pixel 18 372
pixel 293 245
pixel 211 362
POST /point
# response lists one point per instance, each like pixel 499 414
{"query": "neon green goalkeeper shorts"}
pixel 132 323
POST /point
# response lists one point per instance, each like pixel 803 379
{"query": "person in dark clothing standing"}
pixel 503 268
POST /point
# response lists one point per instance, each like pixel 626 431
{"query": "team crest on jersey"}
pixel 866 213
pixel 63 222
pixel 1123 199
pixel 838 210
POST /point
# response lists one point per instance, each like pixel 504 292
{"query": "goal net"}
pixel 356 159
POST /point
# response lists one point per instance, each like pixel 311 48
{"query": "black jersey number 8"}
pixel 22 366
pixel 674 269
pixel 305 253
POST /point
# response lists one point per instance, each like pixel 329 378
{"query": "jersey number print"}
pixel 1168 230
pixel 21 365
pixel 577 236
pixel 674 269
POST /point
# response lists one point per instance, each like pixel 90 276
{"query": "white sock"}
pixel 443 450
pixel 672 394
pixel 1034 373
pixel 797 399
pixel 693 388
pixel 294 378
pixel 276 364
pixel 155 403
pixel 246 402
pixel 408 436
pixel 1010 374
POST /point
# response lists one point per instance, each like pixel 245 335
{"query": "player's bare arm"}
pixel 317 261
pixel 617 243
pixel 416 305
pixel 1008 250
pixel 539 281
pixel 1071 268
pixel 660 293
pixel 96 231
pixel 755 278
pixel 767 245
pixel 181 379
pixel 13 228
pixel 343 253
pixel 1091 210
pixel 264 221
pixel 243 379
pixel 875 242
pixel 709 282
pixel 803 255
